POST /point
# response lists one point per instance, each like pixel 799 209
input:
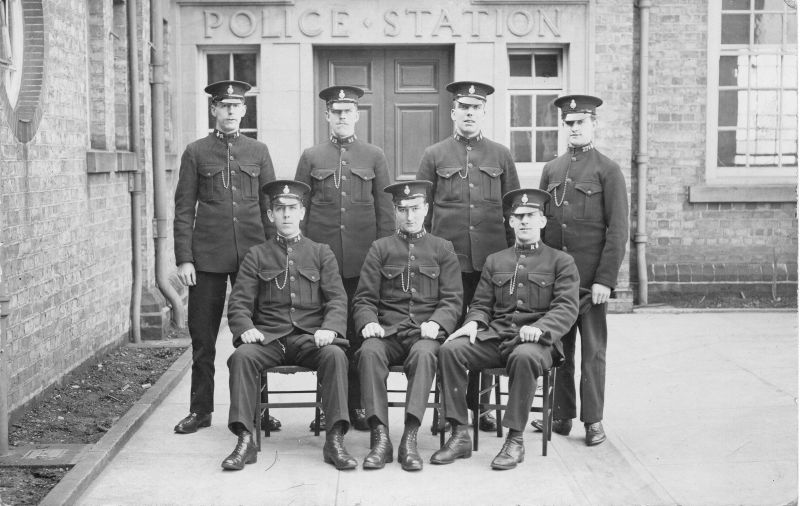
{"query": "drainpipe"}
pixel 159 164
pixel 137 189
pixel 4 378
pixel 642 158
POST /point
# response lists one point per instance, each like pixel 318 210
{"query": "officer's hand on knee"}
pixel 468 329
pixel 429 330
pixel 529 334
pixel 252 336
pixel 324 337
pixel 372 329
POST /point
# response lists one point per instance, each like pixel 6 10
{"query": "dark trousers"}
pixel 469 281
pixel 525 364
pixel 248 360
pixel 206 304
pixel 353 382
pixel 418 357
pixel 594 340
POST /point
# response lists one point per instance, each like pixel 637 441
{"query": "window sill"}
pixel 105 162
pixel 703 193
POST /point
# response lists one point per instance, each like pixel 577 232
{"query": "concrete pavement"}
pixel 701 408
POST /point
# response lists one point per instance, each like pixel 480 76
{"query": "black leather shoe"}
pixel 407 454
pixel 272 423
pixel 487 423
pixel 511 454
pixel 191 423
pixel 321 422
pixel 244 453
pixel 562 427
pixel 334 451
pixel 459 446
pixel 358 419
pixel 444 427
pixel 380 448
pixel 594 433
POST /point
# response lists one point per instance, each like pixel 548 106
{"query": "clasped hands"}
pixel 322 337
pixel 527 333
pixel 428 330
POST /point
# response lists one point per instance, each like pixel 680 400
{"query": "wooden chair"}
pixel 548 383
pixel 435 404
pixel 263 407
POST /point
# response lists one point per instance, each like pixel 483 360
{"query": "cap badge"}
pixel 406 190
pixel 341 94
pixel 230 90
pixel 524 198
pixel 286 189
pixel 572 104
pixel 472 90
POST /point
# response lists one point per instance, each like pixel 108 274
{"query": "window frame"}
pixel 255 91
pixel 748 175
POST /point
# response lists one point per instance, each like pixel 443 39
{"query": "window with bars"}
pixel 238 65
pixel 535 80
pixel 752 89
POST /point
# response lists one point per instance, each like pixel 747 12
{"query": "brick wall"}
pixel 716 245
pixel 66 259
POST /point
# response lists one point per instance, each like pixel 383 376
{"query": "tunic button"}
pixel 289 249
pixel 412 274
pixel 291 262
pixel 411 315
pixel 472 227
pixel 231 157
pixel 344 162
pixel 292 310
pixel 542 283
pixel 233 188
pixel 410 245
pixel 522 256
pixel 566 203
pixel 411 303
pixel 589 192
pixel 230 145
pixel 341 226
pixel 413 290
pixel 472 206
pixel 519 302
pixel 472 185
pixel 469 165
pixel 343 149
pixel 412 257
pixel 520 285
pixel 235 204
pixel 291 278
pixel 469 148
pixel 344 194
pixel 235 218
pixel 342 209
pixel 574 159
pixel 569 180
pixel 563 225
pixel 514 325
pixel 293 295
pixel 564 248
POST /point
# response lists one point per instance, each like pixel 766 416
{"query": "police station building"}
pixel 699 110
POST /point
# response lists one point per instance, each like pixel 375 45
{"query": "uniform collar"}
pixel 226 137
pixel 284 241
pixel 346 140
pixel 521 248
pixel 468 140
pixel 582 149
pixel 411 237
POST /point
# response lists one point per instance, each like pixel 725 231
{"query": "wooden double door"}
pixel 405 107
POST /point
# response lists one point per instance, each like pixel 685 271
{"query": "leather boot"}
pixel 512 452
pixel 594 433
pixel 459 446
pixel 334 451
pixel 407 454
pixel 244 453
pixel 194 421
pixel 560 426
pixel 380 448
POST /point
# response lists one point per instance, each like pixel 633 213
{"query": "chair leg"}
pixel 436 407
pixel 498 397
pixel 316 410
pixel 552 395
pixel 476 410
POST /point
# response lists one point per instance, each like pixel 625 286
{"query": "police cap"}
pixel 575 107
pixel 228 92
pixel 525 200
pixel 346 94
pixel 286 191
pixel 406 190
pixel 470 92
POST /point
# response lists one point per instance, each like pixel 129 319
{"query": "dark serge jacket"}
pixel 215 226
pixel 545 295
pixel 349 213
pixel 469 180
pixel 309 296
pixel 592 222
pixel 423 264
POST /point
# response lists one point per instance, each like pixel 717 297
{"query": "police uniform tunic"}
pixel 587 217
pixel 287 289
pixel 219 214
pixel 523 285
pixel 469 178
pixel 348 209
pixel 407 280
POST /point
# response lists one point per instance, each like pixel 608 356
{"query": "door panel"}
pixel 405 107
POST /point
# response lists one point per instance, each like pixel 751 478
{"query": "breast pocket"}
pixel 540 289
pixel 391 282
pixel 309 286
pixel 589 201
pixel 448 185
pixel 491 190
pixel 268 290
pixel 322 186
pixel 210 181
pixel 501 281
pixel 429 281
pixel 250 181
pixel 361 185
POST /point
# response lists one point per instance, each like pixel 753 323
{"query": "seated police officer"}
pixel 526 299
pixel 288 306
pixel 407 301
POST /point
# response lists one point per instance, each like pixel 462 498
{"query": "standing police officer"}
pixel 219 215
pixel 587 218
pixel 470 174
pixel 347 209
pixel 408 300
